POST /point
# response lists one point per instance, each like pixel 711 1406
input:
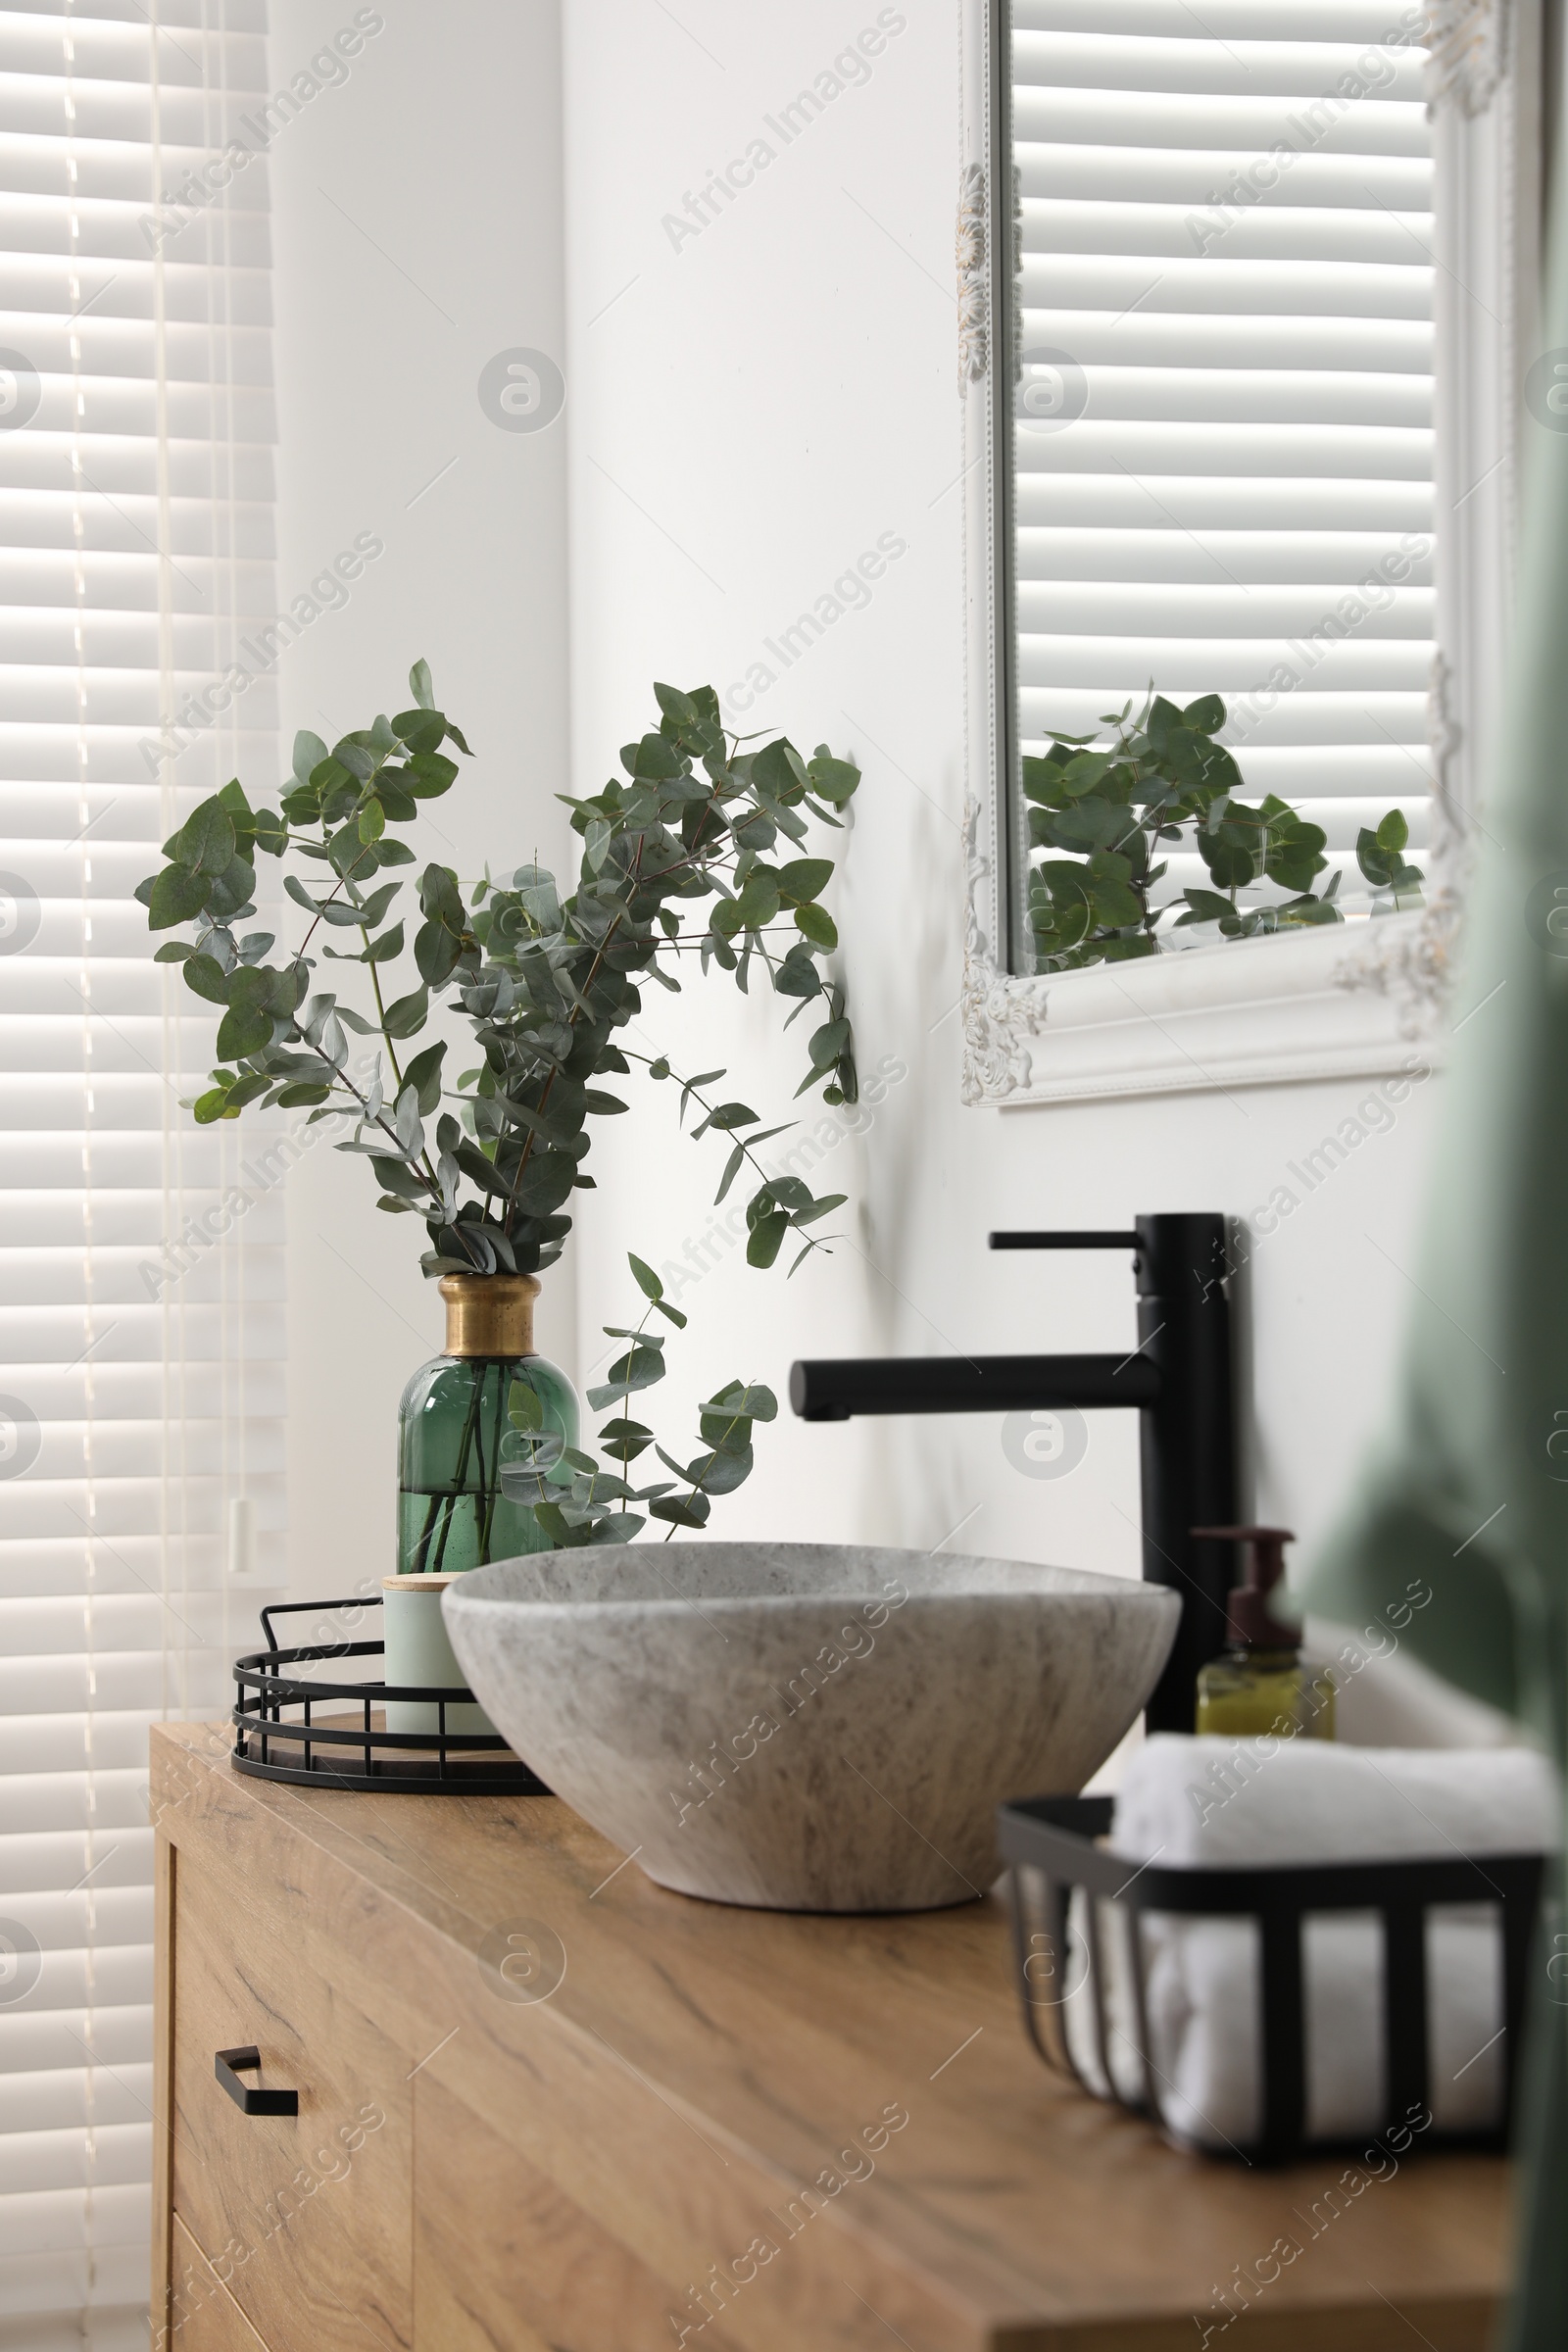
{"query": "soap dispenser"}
pixel 1259 1683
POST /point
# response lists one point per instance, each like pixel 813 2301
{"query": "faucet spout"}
pixel 832 1390
pixel 1178 1377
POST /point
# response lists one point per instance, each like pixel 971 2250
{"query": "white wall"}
pixel 751 408
pixel 417 221
pixel 747 410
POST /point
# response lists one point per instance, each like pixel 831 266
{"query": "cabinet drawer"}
pixel 306 2218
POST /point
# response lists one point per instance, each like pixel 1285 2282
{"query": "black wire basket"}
pixel 1050 1844
pixel 282 1734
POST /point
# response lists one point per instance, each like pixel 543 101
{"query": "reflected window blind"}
pixel 1223 467
pixel 140 1257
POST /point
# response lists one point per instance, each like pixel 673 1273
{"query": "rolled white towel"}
pixel 1231 1803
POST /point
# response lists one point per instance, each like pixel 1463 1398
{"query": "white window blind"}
pixel 140 1262
pixel 1227 482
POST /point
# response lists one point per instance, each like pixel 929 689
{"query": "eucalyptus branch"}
pixel 783 1197
pixel 572 1018
pixel 546 979
pixel 340 1077
pixel 590 1504
pixel 1107 809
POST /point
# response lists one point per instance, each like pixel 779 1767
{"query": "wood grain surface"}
pixel 204 2316
pixel 632 2115
pixel 306 2218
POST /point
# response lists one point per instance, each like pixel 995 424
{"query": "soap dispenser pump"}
pixel 1258 1684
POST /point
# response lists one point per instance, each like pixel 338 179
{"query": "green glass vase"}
pixel 481 1432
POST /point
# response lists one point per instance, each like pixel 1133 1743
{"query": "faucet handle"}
pixel 1062 1240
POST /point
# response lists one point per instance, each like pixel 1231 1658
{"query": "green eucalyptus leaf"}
pixel 356 756
pixel 624 1438
pixel 818 926
pixel 652 760
pixel 546 1180
pixel 763 1243
pixel 177 895
pixel 639 1369
pixel 395 1176
pixel 758 899
pixel 408 1016
pixel 383 949
pixel 728 1115
pixel 373 909
pixel 423 1074
pixel 206 976
pixel 309 754
pixel 617 1527
pixel 436 952
pixel 805 880
pixel 833 780
pixel 1231 865
pixel 819 1208
pixel 692 1510
pixel 478 1169
pixel 524 1410
pixel 728 1432
pixel 732 1169
pixel 429 774
pixel 779 770
pixel 206 840
pixel 755 1400
pixel 642 1274
pixel 1207 907
pixel 419 730
pixel 243 1030
pixel 231 890
pixel 721 1472
pixel 563 1534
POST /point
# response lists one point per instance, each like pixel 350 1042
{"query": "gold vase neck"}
pixel 489 1314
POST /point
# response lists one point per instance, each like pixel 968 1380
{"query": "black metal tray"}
pixel 278 1736
pixel 1050 1844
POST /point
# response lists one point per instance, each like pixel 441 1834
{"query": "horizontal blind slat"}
pixel 141 1337
pixel 1223 435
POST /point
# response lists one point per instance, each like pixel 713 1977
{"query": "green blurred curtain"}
pixel 1468 1486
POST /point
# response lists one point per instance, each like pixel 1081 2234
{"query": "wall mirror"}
pixel 1246 303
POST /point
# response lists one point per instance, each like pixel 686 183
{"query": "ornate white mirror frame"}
pixel 1325 1003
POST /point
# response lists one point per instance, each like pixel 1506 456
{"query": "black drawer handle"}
pixel 229 2065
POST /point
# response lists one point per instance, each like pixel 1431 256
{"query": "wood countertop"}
pixel 685 2073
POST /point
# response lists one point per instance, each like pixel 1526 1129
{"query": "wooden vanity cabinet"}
pixel 544 2106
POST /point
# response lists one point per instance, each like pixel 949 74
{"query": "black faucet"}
pixel 1178 1377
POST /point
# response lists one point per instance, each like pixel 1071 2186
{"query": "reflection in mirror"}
pixel 1214 313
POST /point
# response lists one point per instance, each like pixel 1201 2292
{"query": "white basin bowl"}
pixel 806 1727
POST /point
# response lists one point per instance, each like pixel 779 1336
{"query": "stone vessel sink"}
pixel 806 1727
